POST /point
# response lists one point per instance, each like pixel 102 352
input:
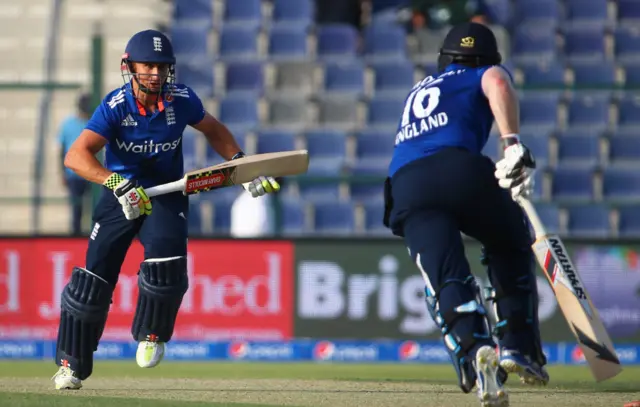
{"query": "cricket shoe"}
pixel 467 378
pixel 149 353
pixel 65 379
pixel 530 372
pixel 490 390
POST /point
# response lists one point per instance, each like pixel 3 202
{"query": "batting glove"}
pixel 515 171
pixel 261 185
pixel 133 198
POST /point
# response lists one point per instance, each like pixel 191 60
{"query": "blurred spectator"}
pixel 339 12
pixel 77 187
pixel 437 14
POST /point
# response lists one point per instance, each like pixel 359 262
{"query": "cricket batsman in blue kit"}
pixel 140 125
pixel 440 185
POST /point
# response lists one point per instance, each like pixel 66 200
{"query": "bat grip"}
pixel 532 214
pixel 175 186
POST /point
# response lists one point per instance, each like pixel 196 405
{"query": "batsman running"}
pixel 140 125
pixel 439 184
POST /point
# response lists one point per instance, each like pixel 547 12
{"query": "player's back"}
pixel 445 110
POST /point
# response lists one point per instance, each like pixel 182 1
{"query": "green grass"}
pixel 123 384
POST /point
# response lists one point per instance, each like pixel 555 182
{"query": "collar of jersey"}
pixel 134 104
pixel 453 67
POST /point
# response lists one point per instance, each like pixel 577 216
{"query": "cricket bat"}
pixel 236 172
pixel 573 299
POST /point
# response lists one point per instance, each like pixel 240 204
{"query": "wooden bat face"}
pixel 577 307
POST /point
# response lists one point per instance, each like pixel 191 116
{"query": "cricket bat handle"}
pixel 532 214
pixel 169 187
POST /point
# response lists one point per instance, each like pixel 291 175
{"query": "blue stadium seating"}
pixel 243 13
pixel 326 143
pixel 594 73
pixel 621 183
pixel 194 220
pixel 538 13
pixel 539 109
pixel 337 41
pixel 288 43
pixel 239 111
pixel 588 111
pixel 385 112
pixel 632 73
pixel 245 77
pixel 374 144
pixel 629 221
pixel 373 214
pixel 393 77
pixel 200 11
pixel 627 44
pixel 590 220
pixel 221 215
pixel 492 148
pixel 274 140
pixel 238 43
pixel 628 12
pixel 572 184
pixel 578 151
pixel 293 217
pixel 539 146
pixel 198 73
pixel 584 44
pixel 550 73
pixel 385 42
pixel 629 111
pixel 549 214
pixel 190 40
pixel 345 77
pixel 499 11
pixel 297 13
pixel 589 12
pixel 624 151
pixel 531 45
pixel 334 218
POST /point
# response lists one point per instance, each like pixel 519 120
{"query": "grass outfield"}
pixel 123 384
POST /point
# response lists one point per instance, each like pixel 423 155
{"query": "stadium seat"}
pixel 539 109
pixel 189 150
pixel 371 167
pixel 200 11
pixel 621 183
pixel 198 74
pixel 293 217
pixel 584 44
pixel 294 77
pixel 588 111
pixel 629 12
pixel 492 148
pixel 578 151
pixel 337 42
pixel 531 45
pixel 385 112
pixel 624 151
pixel 629 112
pixel 326 166
pixel 385 42
pixel 580 12
pixel 245 77
pixel 589 220
pixel 373 215
pixel 221 215
pixel 538 13
pixel 296 13
pixel 365 192
pixel 213 158
pixel 288 43
pixel 190 39
pixel 393 77
pixel 549 73
pixel 272 141
pixel 629 221
pixel 374 144
pixel 594 73
pixel 340 111
pixel 244 13
pixel 238 43
pixel 239 111
pixel 572 184
pixel 334 218
pixel 627 44
pixel 549 214
pixel 319 193
pixel 345 77
pixel 499 11
pixel 539 146
pixel 289 112
pixel 194 220
pixel 632 74
pixel 326 143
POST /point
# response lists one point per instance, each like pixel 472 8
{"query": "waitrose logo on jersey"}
pixel 149 146
pixel 236 289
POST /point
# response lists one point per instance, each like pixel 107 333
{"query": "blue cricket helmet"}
pixel 148 46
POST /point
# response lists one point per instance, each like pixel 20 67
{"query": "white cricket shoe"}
pixel 149 353
pixel 490 390
pixel 65 379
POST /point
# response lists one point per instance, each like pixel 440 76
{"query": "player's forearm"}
pixel 222 141
pixel 505 107
pixel 86 165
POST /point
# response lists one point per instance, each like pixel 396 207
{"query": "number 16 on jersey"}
pixel 417 118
